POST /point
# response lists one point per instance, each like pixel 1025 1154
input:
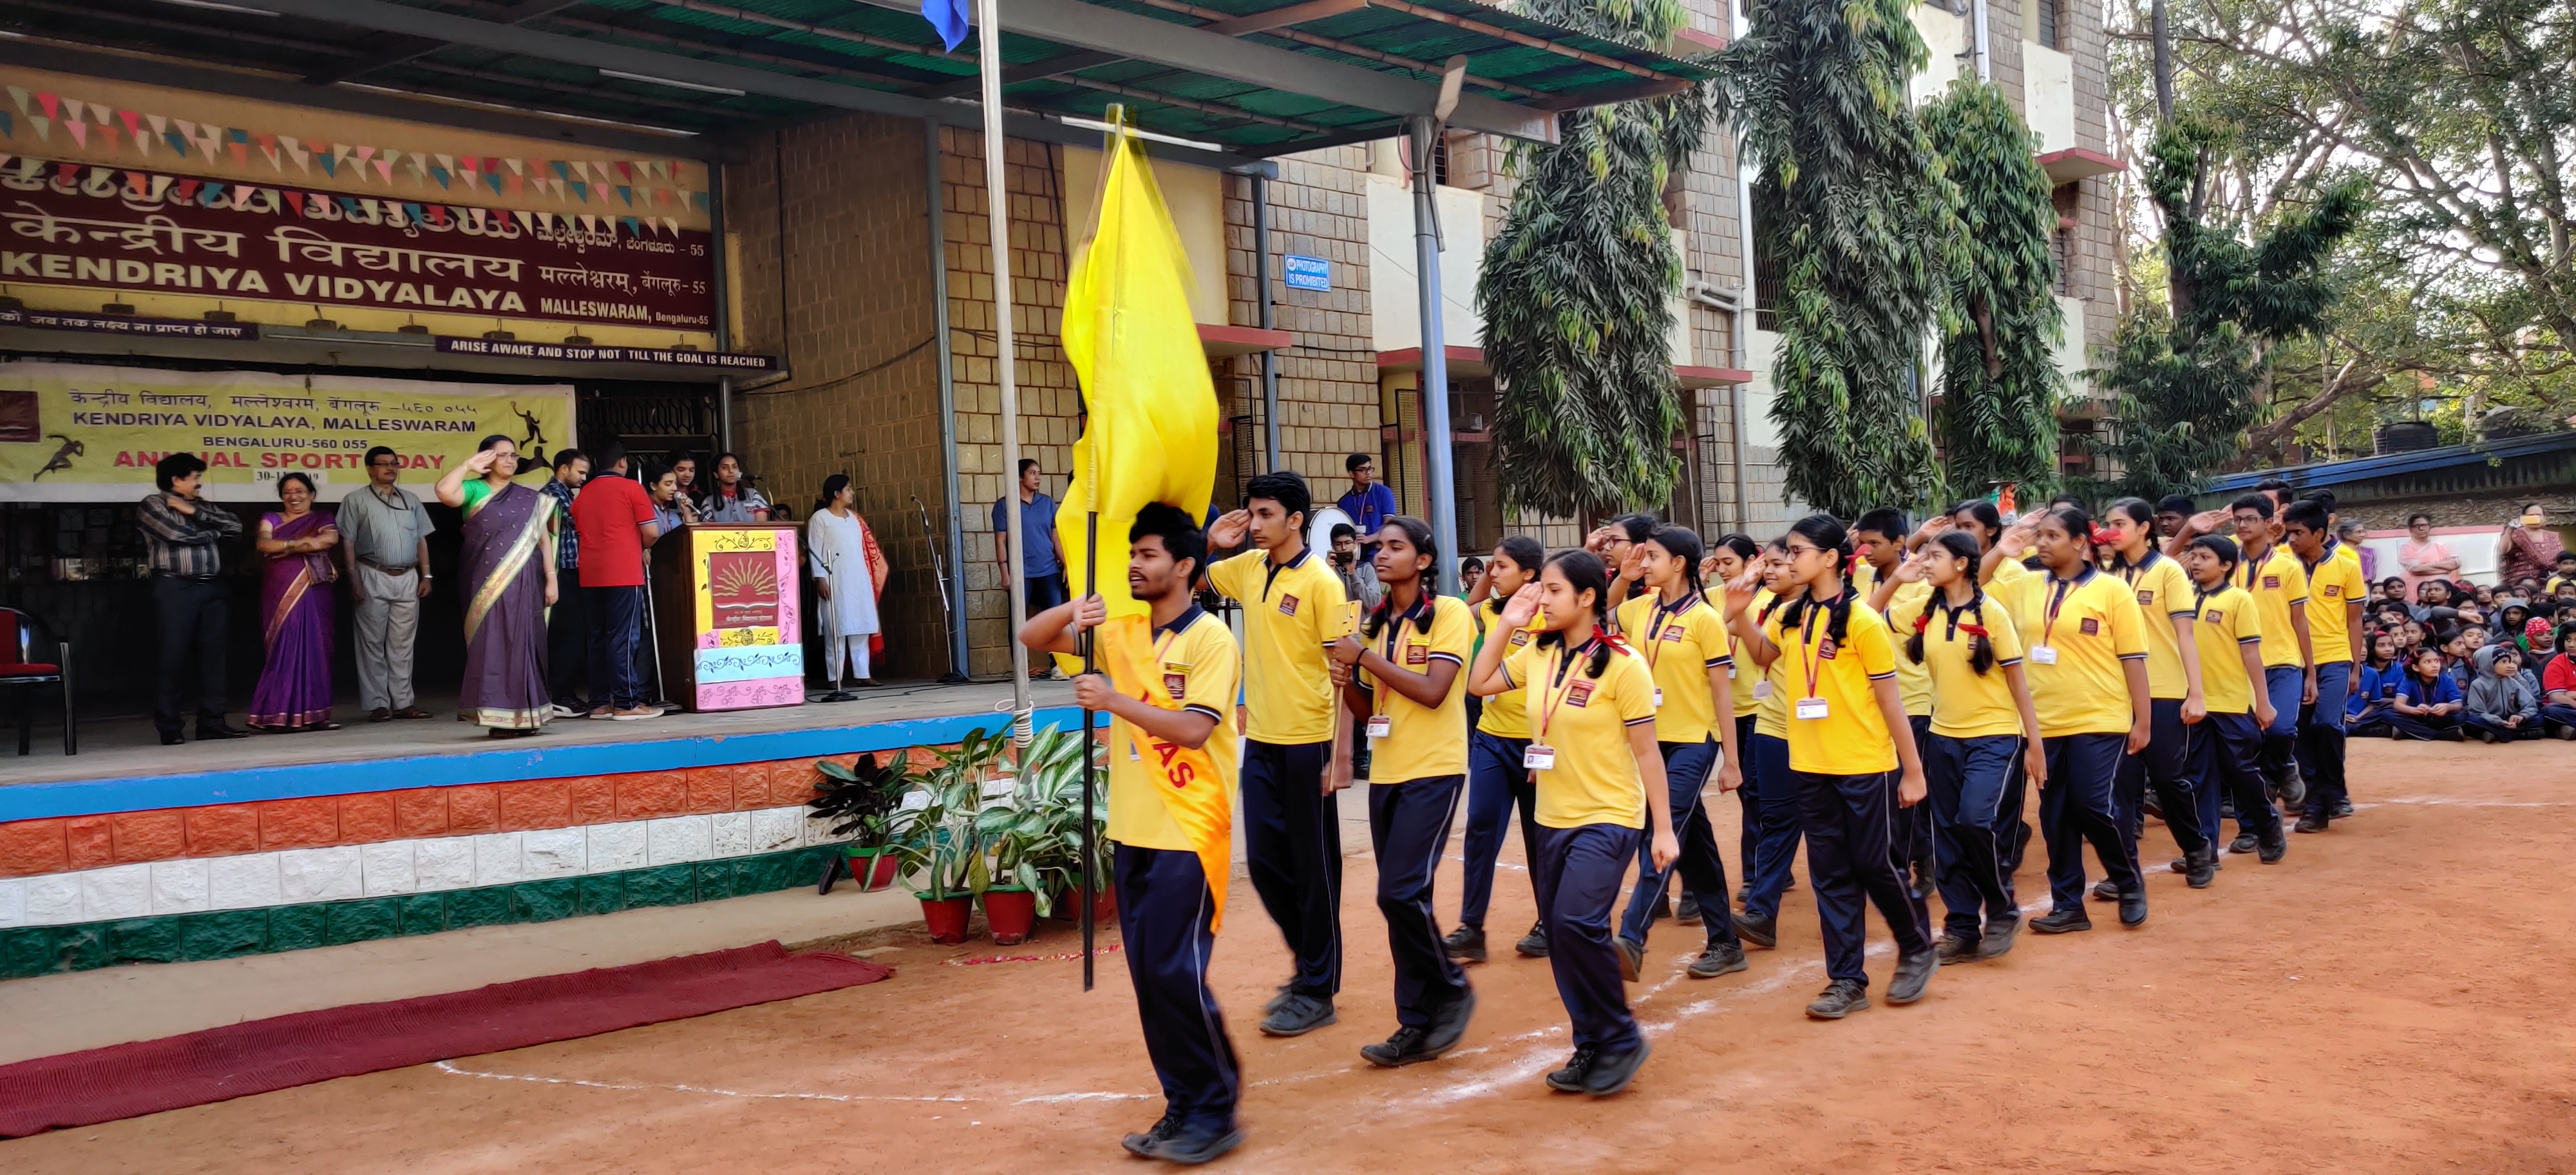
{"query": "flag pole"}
pixel 997 213
pixel 1090 834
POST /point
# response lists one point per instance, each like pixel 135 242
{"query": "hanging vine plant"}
pixel 2000 386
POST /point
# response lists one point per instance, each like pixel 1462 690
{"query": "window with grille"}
pixel 2049 19
pixel 2061 249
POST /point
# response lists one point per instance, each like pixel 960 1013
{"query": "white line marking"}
pixel 450 1067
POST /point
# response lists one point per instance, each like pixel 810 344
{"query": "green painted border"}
pixel 227 934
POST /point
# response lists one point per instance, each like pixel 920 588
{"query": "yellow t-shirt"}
pixel 1772 708
pixel 2334 585
pixel 2225 619
pixel 2093 624
pixel 1680 647
pixel 1200 668
pixel 2275 584
pixel 1290 614
pixel 1913 682
pixel 2163 590
pixel 1507 713
pixel 1422 742
pixel 1852 737
pixel 2008 573
pixel 1965 703
pixel 1585 721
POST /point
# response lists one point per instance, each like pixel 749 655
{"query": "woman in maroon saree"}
pixel 294 691
pixel 510 580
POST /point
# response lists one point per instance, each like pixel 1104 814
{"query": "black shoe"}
pixel 1720 958
pixel 1449 1024
pixel 2200 868
pixel 2245 842
pixel 1534 944
pixel 171 738
pixel 207 733
pixel 2227 808
pixel 1687 913
pixel 1298 1015
pixel 1611 1072
pixel 1465 944
pixel 1999 938
pixel 2133 907
pixel 2487 736
pixel 1913 974
pixel 2293 791
pixel 1143 1144
pixel 1957 948
pixel 2275 847
pixel 1189 1147
pixel 2153 805
pixel 1761 932
pixel 2343 804
pixel 1842 997
pixel 1743 891
pixel 2105 891
pixel 1577 1068
pixel 2054 922
pixel 2311 822
pixel 1632 958
pixel 1922 886
pixel 1279 999
pixel 1406 1047
pixel 2451 735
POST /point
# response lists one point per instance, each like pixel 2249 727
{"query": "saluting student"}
pixel 1879 536
pixel 1408 656
pixel 1684 643
pixel 1497 783
pixel 1853 757
pixel 2335 594
pixel 1169 687
pixel 2228 758
pixel 2280 589
pixel 1293 760
pixel 2174 691
pixel 1733 555
pixel 2085 646
pixel 1768 869
pixel 1600 788
pixel 1984 731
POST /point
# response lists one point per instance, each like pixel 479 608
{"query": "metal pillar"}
pixel 1269 357
pixel 997 215
pixel 955 587
pixel 1443 492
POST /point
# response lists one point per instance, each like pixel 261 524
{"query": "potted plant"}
pixel 860 799
pixel 934 831
pixel 1047 830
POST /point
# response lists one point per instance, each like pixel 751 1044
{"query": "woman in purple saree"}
pixel 294 691
pixel 509 565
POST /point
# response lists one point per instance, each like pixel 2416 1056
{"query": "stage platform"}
pixel 123 768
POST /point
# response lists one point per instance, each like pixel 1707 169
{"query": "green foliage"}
pixel 1036 837
pixel 2186 374
pixel 1850 203
pixel 939 841
pixel 860 798
pixel 1575 293
pixel 2000 385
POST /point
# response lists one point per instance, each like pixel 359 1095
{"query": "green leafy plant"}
pixel 860 798
pixel 1036 839
pixel 2000 385
pixel 937 837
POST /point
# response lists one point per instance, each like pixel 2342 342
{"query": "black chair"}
pixel 20 632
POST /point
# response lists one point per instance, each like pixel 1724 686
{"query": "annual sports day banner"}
pixel 79 433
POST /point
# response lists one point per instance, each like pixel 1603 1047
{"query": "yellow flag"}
pixel 1129 334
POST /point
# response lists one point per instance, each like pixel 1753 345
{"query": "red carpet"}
pixel 147 1077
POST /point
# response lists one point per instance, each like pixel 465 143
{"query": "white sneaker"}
pixel 564 711
pixel 630 715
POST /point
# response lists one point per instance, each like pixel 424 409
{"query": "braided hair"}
pixel 2140 512
pixel 1417 534
pixel 1584 572
pixel 1682 543
pixel 1981 653
pixel 1828 535
pixel 1743 546
pixel 1525 553
pixel 1984 514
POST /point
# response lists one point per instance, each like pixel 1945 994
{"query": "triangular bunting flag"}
pixel 18 94
pixel 385 170
pixel 700 199
pixel 526 220
pixel 492 180
pixel 366 154
pixel 8 127
pixel 627 194
pixel 632 228
pixel 52 105
pixel 558 186
pixel 561 172
pixel 44 128
pixel 672 223
pixel 79 130
pixel 187 129
pixel 516 183
pixel 517 166
pixel 241 153
pixel 177 141
pixel 589 223
pixel 160 124
pixel 330 165
pixel 579 168
pixel 439 174
pixel 98 113
pixel 580 192
pixel 75 110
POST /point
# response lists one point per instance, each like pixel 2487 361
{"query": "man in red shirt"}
pixel 614 517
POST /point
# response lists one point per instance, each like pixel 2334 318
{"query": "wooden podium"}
pixel 725 616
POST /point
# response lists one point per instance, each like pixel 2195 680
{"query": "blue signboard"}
pixel 1309 273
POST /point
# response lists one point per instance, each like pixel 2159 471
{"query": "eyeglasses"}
pixel 1796 550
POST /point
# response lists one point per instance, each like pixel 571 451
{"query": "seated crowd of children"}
pixel 2457 661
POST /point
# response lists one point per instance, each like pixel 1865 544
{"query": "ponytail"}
pixel 1682 543
pixel 1418 534
pixel 1584 572
pixel 1828 535
pixel 1981 651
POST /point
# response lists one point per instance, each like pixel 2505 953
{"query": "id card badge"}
pixel 1761 689
pixel 1730 671
pixel 1378 726
pixel 1811 708
pixel 2043 654
pixel 1659 697
pixel 1538 758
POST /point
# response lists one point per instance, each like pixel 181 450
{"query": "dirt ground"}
pixel 2393 997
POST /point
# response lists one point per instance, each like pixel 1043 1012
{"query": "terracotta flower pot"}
pixel 947 917
pixel 874 869
pixel 1010 913
pixel 1067 906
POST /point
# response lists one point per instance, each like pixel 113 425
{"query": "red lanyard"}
pixel 1655 626
pixel 1810 658
pixel 1553 695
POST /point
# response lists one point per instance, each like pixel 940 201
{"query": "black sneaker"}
pixel 1999 937
pixel 1611 1072
pixel 1465 944
pixel 1279 998
pixel 1632 958
pixel 2052 922
pixel 2343 804
pixel 1577 1068
pixel 2227 807
pixel 2153 804
pixel 1923 884
pixel 1190 1147
pixel 1957 948
pixel 2275 847
pixel 1687 913
pixel 2310 822
pixel 2293 791
pixel 1155 1135
pixel 2133 907
pixel 1913 974
pixel 2245 842
pixel 2201 868
pixel 1761 932
pixel 1743 891
pixel 1406 1047
pixel 1842 997
pixel 1534 944
pixel 1298 1015
pixel 2105 891
pixel 2484 735
pixel 1720 958
pixel 1449 1024
pixel 2448 735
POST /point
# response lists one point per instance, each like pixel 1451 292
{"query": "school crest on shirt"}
pixel 1287 605
pixel 2272 581
pixel 1826 648
pixel 1520 636
pixel 2213 615
pixel 1579 693
pixel 2334 589
pixel 1417 653
pixel 2146 597
pixel 2092 626
pixel 1176 678
pixel 1673 633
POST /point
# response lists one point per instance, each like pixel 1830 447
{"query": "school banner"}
pixel 73 432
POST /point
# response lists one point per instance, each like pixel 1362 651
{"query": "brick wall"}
pixel 1328 387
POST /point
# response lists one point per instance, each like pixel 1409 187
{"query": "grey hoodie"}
pixel 2499 698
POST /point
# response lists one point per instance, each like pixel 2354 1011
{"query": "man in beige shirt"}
pixel 385 533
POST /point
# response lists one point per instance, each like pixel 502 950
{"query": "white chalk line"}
pixel 450 1067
